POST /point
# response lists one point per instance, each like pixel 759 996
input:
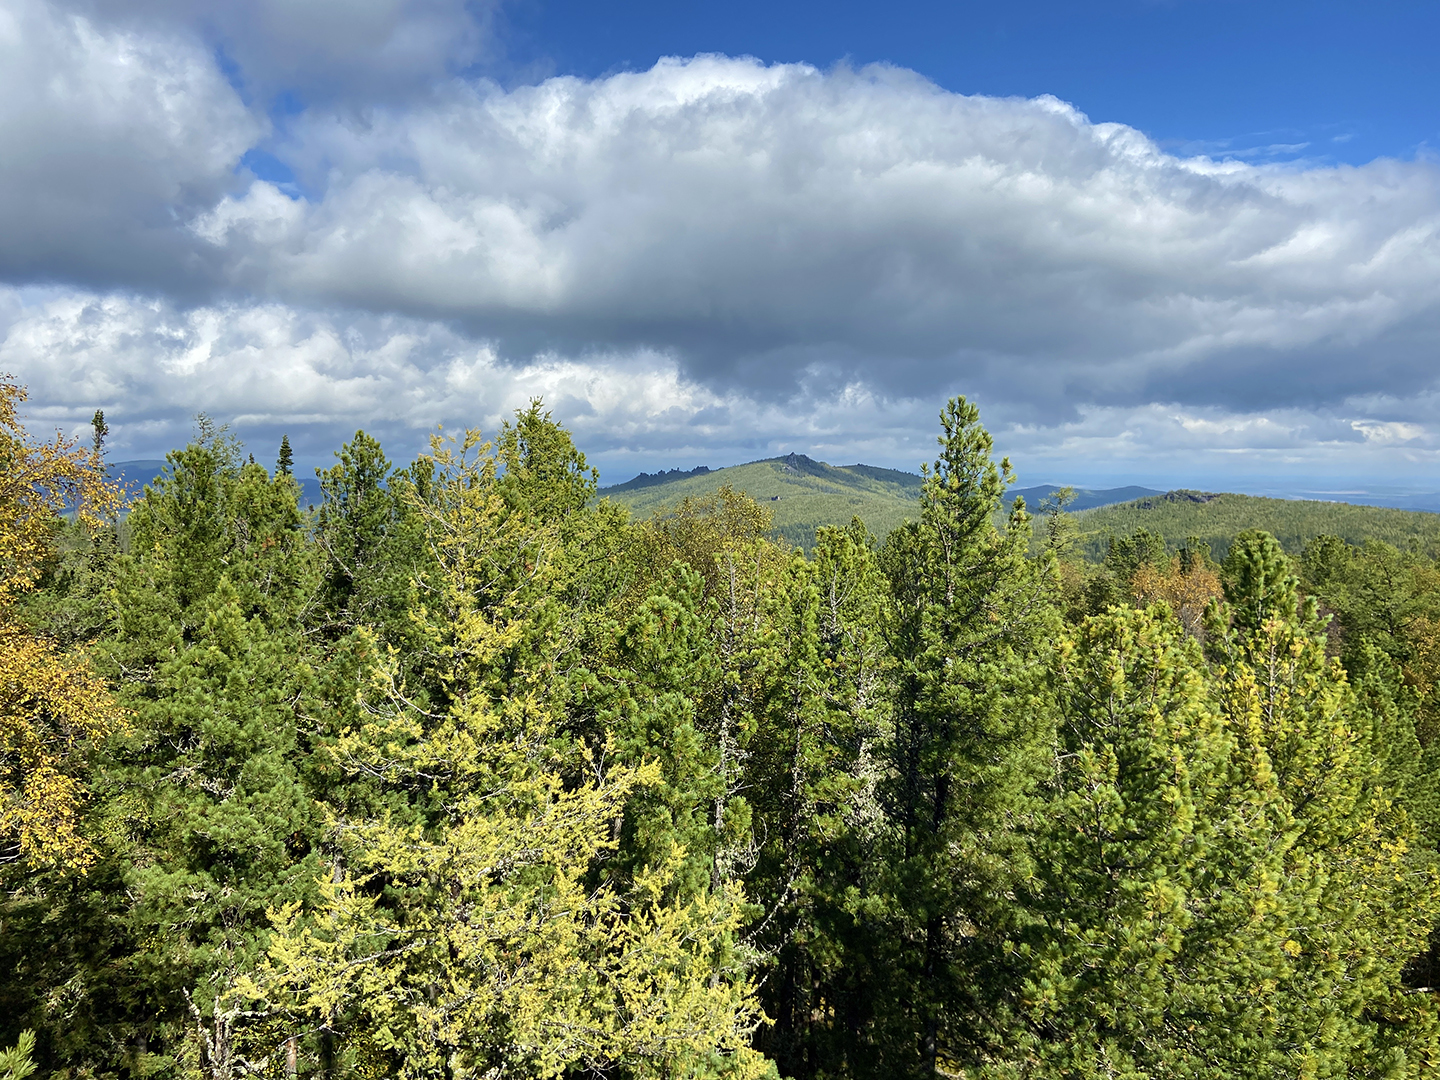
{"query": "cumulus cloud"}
pixel 269 368
pixel 709 260
pixel 765 222
pixel 112 140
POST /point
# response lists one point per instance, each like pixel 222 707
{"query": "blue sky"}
pixel 1179 244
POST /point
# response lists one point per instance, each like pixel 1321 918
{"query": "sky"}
pixel 1171 242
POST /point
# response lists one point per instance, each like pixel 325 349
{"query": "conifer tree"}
pixel 209 514
pixel 1157 925
pixel 496 942
pixel 650 703
pixel 722 538
pixel 817 763
pixel 284 465
pixel 228 829
pixel 972 619
pixel 15 1061
pixel 1369 897
pixel 101 431
pixel 372 546
pixel 208 815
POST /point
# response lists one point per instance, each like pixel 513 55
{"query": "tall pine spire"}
pixel 102 429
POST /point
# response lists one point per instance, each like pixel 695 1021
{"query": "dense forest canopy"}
pixel 466 773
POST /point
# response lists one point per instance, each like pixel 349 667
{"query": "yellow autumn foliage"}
pixel 51 705
pixel 1187 591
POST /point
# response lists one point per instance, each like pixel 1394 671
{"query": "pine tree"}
pixel 816 766
pixel 15 1061
pixel 228 829
pixel 650 701
pixel 731 571
pixel 1369 896
pixel 972 619
pixel 372 545
pixel 205 812
pixel 1156 924
pixel 101 431
pixel 209 514
pixel 284 465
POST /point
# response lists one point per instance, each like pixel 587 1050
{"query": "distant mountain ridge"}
pixel 1085 498
pixel 805 494
pixel 802 494
pixel 791 463
pixel 651 479
pixel 1217 518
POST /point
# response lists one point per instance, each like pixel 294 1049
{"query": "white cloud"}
pixel 270 369
pixel 1390 431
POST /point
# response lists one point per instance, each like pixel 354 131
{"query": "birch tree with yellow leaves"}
pixel 52 708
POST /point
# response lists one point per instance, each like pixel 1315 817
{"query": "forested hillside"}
pixel 1216 519
pixel 469 774
pixel 801 494
pixel 804 495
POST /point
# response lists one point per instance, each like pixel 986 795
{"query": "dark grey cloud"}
pixel 112 140
pixel 321 52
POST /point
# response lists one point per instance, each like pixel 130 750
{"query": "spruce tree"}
pixel 284 465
